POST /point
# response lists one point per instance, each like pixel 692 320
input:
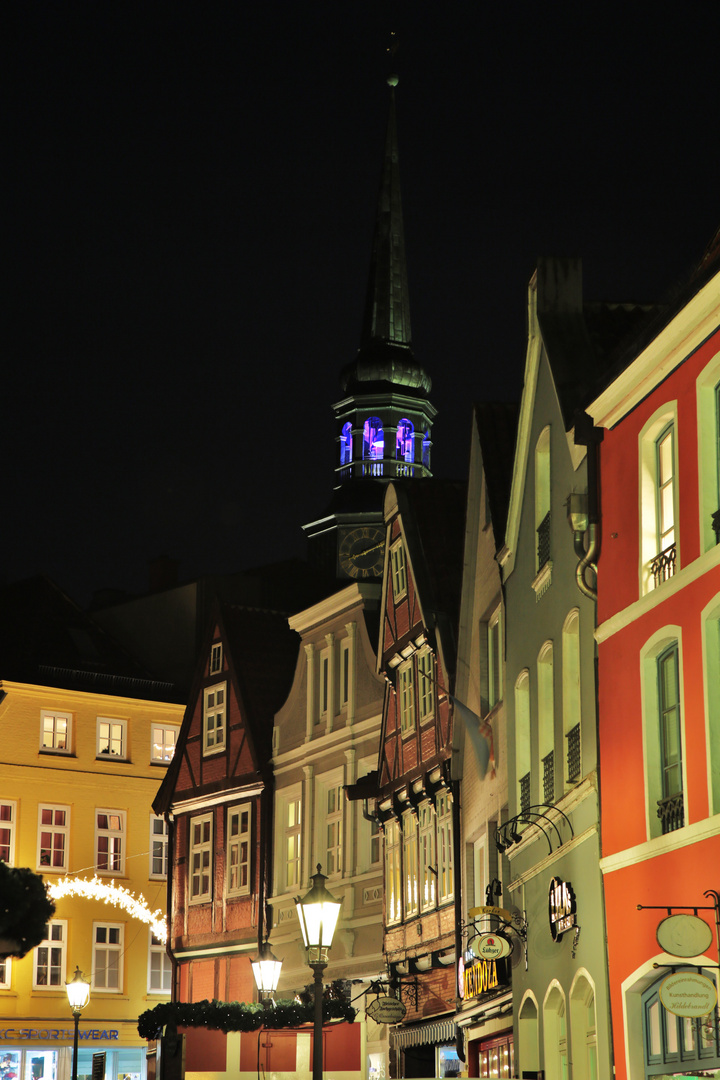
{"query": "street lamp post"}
pixel 78 992
pixel 318 913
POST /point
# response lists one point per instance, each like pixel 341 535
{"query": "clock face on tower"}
pixel 361 552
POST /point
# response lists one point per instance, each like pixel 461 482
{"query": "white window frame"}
pixel 406 697
pixel 200 859
pixel 158 847
pixel 652 756
pixel 399 570
pixel 330 819
pixel 289 838
pixel 494 658
pixel 56 940
pixel 164 742
pixel 116 735
pixel 428 856
pixel 52 718
pixel 112 947
pixel 6 973
pixel 523 758
pixel 393 873
pixel 411 875
pixel 543 485
pixel 345 672
pixel 215 735
pixel 216 658
pixel 54 828
pixel 239 849
pixel 426 685
pixel 546 713
pixel 158 951
pixel 664 416
pixel 325 689
pixel 115 832
pixel 8 825
pixel 443 812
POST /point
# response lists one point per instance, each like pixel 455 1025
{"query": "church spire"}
pixel 385 355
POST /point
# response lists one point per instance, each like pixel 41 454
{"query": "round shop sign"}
pixel 688 993
pixel 491 946
pixel 684 935
pixel 386 1010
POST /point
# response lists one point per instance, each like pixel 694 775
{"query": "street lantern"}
pixel 318 913
pixel 266 970
pixel 78 992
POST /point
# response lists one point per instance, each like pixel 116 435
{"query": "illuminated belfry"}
pixel 384 419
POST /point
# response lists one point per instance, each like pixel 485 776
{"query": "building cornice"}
pixel 325 744
pixel 216 798
pixel 334 606
pixel 661 845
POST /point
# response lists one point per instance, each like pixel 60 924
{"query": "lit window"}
pixel 214 719
pixel 110 841
pixel 8 811
pixel 373 439
pixel 410 864
pixel 293 842
pixel 393 879
pixel 238 851
pixel 494 648
pixel 216 658
pixel 446 887
pixel 404 444
pixel 111 738
pixel 107 956
pixel 49 957
pixel 426 685
pixel 158 847
pixel 159 967
pixel 665 480
pixel 346 444
pixel 374 842
pixel 333 824
pixel 406 697
pixel 164 741
pixel 53 837
pixel 399 573
pixel 201 858
pixel 659 546
pixel 428 865
pixel 55 732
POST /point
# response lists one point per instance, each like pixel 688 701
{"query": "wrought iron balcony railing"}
pixel 573 754
pixel 543 541
pixel 525 792
pixel 671 811
pixel 548 763
pixel 662 567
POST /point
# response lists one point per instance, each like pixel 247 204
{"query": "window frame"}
pixel 445 855
pixel 215 663
pixel 51 943
pixel 54 714
pixel 398 565
pixel 200 848
pixel 108 754
pixel 111 948
pixel 546 716
pixel 157 948
pixel 651 651
pixel 658 424
pixel 285 831
pixel 115 858
pixel 427 844
pixel 494 659
pixel 214 710
pixel 54 828
pixel 393 872
pixel 234 842
pixel 406 697
pixel 162 840
pixel 6 973
pixel 162 757
pixel 523 753
pixel 332 824
pixel 8 825
pixel 426 684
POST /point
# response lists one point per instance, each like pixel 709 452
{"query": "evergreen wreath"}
pixel 25 908
pixel 237 1015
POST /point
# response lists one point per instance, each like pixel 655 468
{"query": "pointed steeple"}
pixel 385 355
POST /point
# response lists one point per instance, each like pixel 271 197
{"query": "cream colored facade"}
pixel 78 774
pixel 326 736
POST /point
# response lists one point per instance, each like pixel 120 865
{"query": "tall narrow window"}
pixel 158 847
pixel 110 840
pixel 665 472
pixel 494 648
pixel 659 539
pixel 107 956
pixel 406 697
pixel 333 819
pixel 49 957
pixel 542 498
pixel 238 850
pixel 426 444
pixel 393 878
pixel 571 696
pixel 216 658
pixel 546 721
pixel 522 740
pixel 410 864
pixel 399 572
pixel 214 719
pixel 670 806
pixel 201 858
pixel 293 842
pixel 54 833
pixel 373 439
pixel 8 812
pixel 346 444
pixel 426 685
pixel 444 847
pixel 428 863
pixel 159 967
pixel 404 443
pixel 324 682
pixel 344 673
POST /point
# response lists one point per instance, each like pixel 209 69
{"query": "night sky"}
pixel 188 230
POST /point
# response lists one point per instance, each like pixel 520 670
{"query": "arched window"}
pixel 659 540
pixel 663 732
pixel 373 439
pixel 346 444
pixel 522 739
pixel 555 1034
pixel 528 1055
pixel 679 1045
pixel 546 721
pixel 571 694
pixel 583 1029
pixel 426 450
pixel 404 447
pixel 542 498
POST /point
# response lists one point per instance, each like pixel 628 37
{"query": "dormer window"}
pixel 214 719
pixel 216 658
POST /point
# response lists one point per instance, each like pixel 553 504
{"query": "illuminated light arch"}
pixel 110 893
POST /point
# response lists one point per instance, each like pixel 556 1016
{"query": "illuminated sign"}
pixel 478 978
pixel 561 907
pixel 54 1034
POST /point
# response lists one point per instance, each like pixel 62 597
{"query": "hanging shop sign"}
pixel 386 1010
pixel 480 977
pixel 491 946
pixel 561 907
pixel 489 909
pixel 684 935
pixel 688 993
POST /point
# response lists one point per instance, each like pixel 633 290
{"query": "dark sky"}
pixel 188 231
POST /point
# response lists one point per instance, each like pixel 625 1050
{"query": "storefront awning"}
pixel 439 1031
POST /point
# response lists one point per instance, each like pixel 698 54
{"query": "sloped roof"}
pixel 496 424
pixel 46 639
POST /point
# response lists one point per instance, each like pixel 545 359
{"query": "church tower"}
pixel 384 419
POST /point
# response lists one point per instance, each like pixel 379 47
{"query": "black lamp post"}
pixel 78 992
pixel 318 913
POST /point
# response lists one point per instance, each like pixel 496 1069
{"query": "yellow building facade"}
pixel 78 772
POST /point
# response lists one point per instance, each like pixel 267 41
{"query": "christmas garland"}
pixel 237 1015
pixel 25 908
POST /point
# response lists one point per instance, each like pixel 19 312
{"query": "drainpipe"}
pixel 170 820
pixel 583 511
